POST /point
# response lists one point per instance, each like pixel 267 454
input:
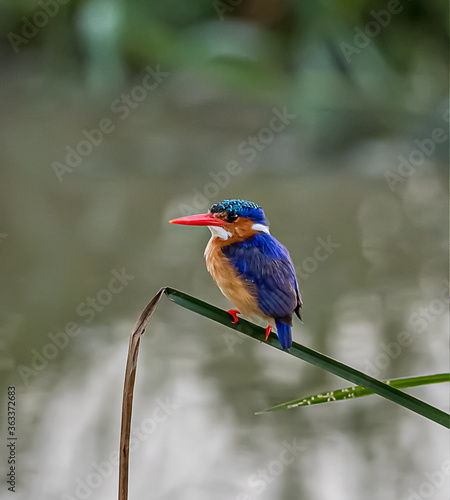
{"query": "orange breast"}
pixel 240 292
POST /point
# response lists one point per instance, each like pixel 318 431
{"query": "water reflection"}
pixel 378 302
pixel 209 443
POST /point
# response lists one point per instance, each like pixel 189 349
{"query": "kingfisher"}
pixel 251 268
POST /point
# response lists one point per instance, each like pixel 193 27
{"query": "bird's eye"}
pixel 232 217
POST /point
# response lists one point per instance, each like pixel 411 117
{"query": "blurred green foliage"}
pixel 266 33
pixel 354 69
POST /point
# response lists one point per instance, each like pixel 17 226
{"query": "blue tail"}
pixel 284 334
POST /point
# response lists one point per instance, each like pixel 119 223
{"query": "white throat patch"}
pixel 261 227
pixel 219 232
pixel 223 234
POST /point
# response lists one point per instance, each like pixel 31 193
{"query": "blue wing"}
pixel 265 262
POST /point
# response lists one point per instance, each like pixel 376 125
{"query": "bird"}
pixel 251 268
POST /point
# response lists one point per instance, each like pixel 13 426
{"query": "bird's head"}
pixel 233 220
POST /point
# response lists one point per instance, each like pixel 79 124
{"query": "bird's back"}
pixel 256 274
pixel 265 262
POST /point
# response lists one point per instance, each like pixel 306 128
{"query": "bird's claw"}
pixel 268 331
pixel 234 313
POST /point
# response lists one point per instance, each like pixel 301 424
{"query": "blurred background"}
pixel 117 116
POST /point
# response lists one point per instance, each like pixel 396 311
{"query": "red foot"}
pixel 234 313
pixel 268 330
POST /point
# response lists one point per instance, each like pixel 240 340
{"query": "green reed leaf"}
pixel 311 356
pixel 357 391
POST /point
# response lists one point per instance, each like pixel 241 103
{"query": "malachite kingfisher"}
pixel 250 266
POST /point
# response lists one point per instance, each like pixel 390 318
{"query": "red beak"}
pixel 198 220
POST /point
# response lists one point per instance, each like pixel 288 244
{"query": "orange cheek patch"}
pixel 240 230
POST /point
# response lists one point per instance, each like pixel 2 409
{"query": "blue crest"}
pixel 241 208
